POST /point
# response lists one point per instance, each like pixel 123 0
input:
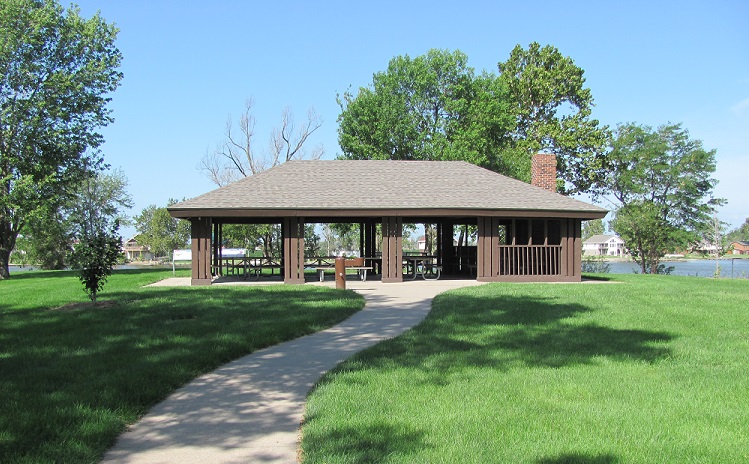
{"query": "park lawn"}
pixel 72 376
pixel 645 369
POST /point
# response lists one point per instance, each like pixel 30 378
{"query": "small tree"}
pixel 95 256
pixel 96 216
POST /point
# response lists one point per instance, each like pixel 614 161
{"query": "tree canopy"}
pixel 432 107
pixel 57 71
pixel 662 182
pixel 435 107
pixel 160 231
pixel 552 112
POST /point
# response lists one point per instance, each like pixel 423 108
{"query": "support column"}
pixel 392 249
pixel 293 250
pixel 571 250
pixel 201 251
pixel 216 250
pixel 370 245
pixel 487 259
pixel 446 254
pixel 577 250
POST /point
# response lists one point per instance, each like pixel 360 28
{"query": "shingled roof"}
pixel 371 188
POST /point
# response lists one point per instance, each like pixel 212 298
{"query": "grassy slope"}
pixel 652 369
pixel 71 379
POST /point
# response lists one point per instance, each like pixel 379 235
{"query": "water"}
pixel 696 267
pixel 14 269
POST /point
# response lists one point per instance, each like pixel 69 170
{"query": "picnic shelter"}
pixel 525 232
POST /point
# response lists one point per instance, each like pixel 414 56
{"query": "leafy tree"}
pixel 311 241
pixel 552 112
pixel 740 233
pixel 49 237
pixel 431 107
pixel 661 181
pixel 95 256
pixel 57 71
pixel 593 227
pixel 51 230
pixel 160 231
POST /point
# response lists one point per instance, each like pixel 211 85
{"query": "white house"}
pixel 604 245
pixel 135 251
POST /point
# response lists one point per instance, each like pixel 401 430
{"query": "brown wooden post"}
pixel 487 259
pixel 216 250
pixel 392 249
pixel 293 250
pixel 577 249
pixel 361 239
pixel 201 251
pixel 571 250
pixel 447 249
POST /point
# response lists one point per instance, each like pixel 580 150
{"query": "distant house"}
pixel 421 243
pixel 740 248
pixel 135 251
pixel 604 245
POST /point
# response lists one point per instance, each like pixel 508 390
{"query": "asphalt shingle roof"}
pixel 374 185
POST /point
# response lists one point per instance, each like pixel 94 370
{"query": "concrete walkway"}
pixel 249 410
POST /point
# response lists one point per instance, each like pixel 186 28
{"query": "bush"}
pixel 595 264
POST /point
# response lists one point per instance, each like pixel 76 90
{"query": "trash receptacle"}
pixel 340 273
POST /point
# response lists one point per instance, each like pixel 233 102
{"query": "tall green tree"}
pixel 57 70
pixel 662 182
pixel 160 231
pixel 432 107
pixel 552 113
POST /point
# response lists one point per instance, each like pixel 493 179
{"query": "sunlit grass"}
pixel 73 376
pixel 643 369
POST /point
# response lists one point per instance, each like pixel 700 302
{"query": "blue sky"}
pixel 189 65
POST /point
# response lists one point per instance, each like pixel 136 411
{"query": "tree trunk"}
pixel 8 235
pixel 4 263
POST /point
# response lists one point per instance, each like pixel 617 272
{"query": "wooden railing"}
pixel 530 260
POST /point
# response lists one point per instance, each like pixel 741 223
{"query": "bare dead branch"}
pixel 235 157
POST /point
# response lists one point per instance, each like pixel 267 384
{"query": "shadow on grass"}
pixel 505 332
pixel 69 374
pixel 37 273
pixel 576 458
pixel 372 443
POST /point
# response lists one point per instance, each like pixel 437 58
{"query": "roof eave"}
pixel 186 213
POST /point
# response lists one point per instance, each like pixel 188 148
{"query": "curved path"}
pixel 249 411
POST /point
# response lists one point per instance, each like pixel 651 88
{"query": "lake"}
pixel 686 267
pixel 691 267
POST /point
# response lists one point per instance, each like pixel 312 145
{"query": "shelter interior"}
pixel 504 249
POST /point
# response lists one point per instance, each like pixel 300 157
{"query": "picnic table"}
pixel 251 265
pixel 328 264
pixel 422 265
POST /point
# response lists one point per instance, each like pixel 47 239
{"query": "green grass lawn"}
pixel 73 376
pixel 646 369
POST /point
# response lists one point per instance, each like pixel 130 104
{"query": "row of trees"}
pixel 434 107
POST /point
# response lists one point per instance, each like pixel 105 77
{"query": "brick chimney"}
pixel 544 171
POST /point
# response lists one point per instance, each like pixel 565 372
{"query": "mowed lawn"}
pixel 644 369
pixel 73 376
